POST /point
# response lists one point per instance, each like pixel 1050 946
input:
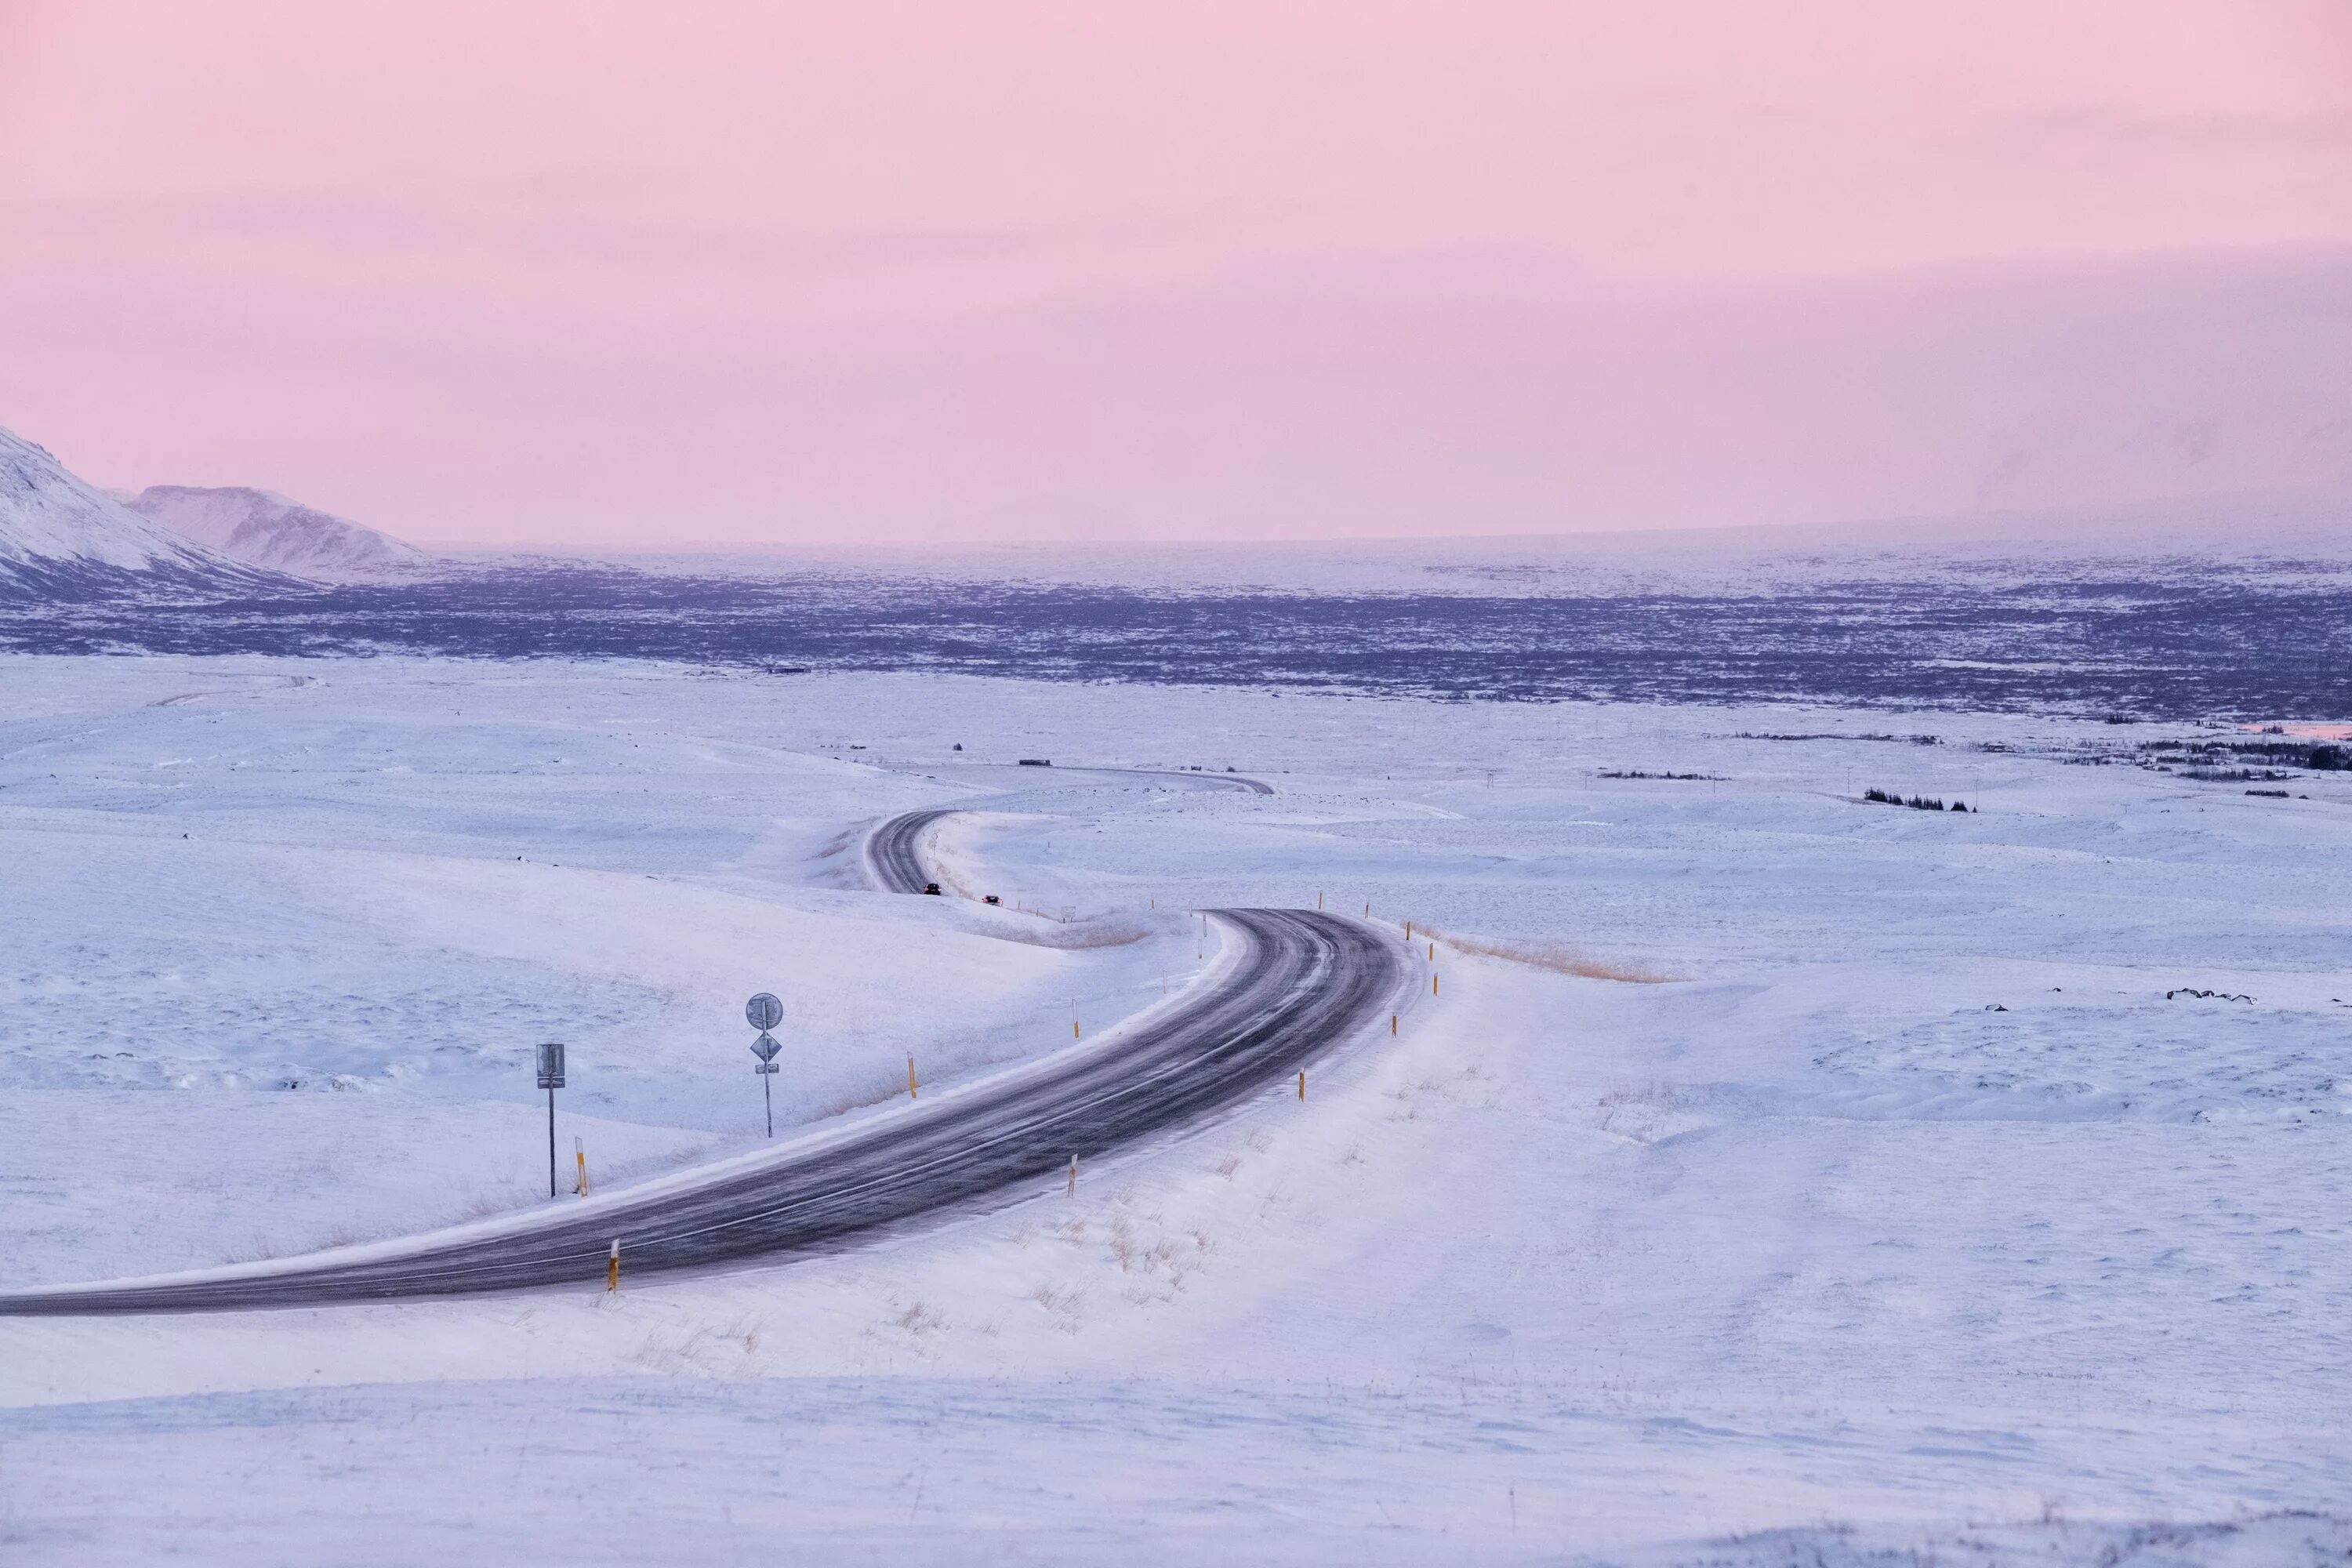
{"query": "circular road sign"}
pixel 763 1010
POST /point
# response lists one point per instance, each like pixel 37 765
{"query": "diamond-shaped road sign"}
pixel 765 1047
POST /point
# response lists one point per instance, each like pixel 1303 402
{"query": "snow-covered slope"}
pixel 61 539
pixel 1910 1222
pixel 264 529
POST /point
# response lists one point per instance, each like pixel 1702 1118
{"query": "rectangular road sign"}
pixel 551 1067
pixel 766 1067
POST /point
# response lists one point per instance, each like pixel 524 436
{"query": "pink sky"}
pixel 884 271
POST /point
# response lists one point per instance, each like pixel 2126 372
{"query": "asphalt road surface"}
pixel 894 850
pixel 1304 983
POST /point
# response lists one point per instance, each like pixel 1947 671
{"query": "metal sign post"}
pixel 765 1047
pixel 763 1013
pixel 551 1078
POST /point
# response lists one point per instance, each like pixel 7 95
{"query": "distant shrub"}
pixel 2271 793
pixel 2319 756
pixel 1638 774
pixel 1916 802
pixel 2232 775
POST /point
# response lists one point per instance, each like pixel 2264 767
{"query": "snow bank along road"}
pixel 1303 982
pixel 893 849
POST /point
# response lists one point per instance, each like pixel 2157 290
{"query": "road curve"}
pixel 1303 982
pixel 1201 776
pixel 892 850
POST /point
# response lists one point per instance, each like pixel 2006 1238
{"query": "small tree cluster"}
pixel 1915 802
pixel 1638 774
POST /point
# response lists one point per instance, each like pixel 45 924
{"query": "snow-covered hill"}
pixel 1911 1223
pixel 264 529
pixel 61 539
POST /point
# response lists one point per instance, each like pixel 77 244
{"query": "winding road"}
pixel 1301 983
pixel 894 850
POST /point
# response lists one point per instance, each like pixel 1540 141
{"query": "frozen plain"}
pixel 1707 1199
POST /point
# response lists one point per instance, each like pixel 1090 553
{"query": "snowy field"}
pixel 1772 1178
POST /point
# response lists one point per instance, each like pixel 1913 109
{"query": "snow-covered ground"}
pixel 1769 1164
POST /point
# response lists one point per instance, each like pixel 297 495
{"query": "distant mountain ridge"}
pixel 264 529
pixel 62 540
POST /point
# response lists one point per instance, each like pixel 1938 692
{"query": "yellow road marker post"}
pixel 613 1269
pixel 580 1154
pixel 1302 1083
pixel 910 1080
pixel 1074 1176
pixel 1392 1018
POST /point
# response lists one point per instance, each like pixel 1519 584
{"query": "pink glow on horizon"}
pixel 906 272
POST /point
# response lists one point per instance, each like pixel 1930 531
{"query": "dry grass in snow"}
pixel 1557 957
